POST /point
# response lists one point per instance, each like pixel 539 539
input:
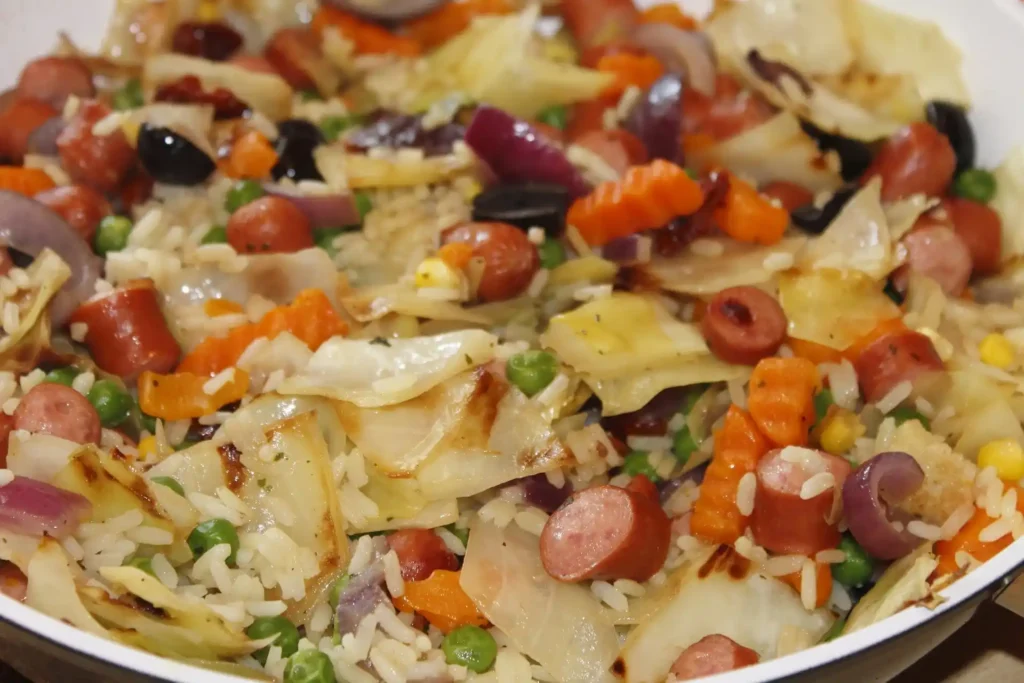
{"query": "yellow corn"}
pixel 1006 455
pixel 841 430
pixel 434 272
pixel 997 351
pixel 208 11
pixel 147 448
pixel 130 128
pixel 470 189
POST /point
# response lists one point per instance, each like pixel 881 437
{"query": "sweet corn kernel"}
pixel 841 431
pixel 997 351
pixel 208 11
pixel 471 189
pixel 130 128
pixel 147 448
pixel 1006 455
pixel 434 272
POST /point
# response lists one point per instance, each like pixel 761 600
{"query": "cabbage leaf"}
pixel 857 238
pixel 20 350
pixel 1009 201
pixel 52 588
pixel 904 583
pixel 628 393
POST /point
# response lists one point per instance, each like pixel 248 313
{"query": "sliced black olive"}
pixel 525 205
pixel 854 155
pixel 171 158
pixel 951 120
pixel 815 219
pixel 297 138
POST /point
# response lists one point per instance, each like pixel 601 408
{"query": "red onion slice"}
pixel 518 154
pixel 323 210
pixel 628 250
pixel 539 491
pixel 387 10
pixel 29 227
pixel 687 53
pixel 33 508
pixel 883 480
pixel 657 119
pixel 43 140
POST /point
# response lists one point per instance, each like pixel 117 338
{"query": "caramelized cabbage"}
pixel 857 239
pixel 19 350
pixel 373 303
pixel 52 588
pixel 904 583
pixel 631 392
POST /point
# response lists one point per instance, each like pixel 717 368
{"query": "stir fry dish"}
pixel 495 340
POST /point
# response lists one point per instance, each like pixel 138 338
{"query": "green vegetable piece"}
pixel 890 291
pixel 265 627
pixel 903 413
pixel 148 422
pixel 309 95
pixel 333 126
pixel 461 534
pixel 835 630
pixel 143 563
pixel 858 567
pixel 65 375
pixel 683 445
pixel 470 646
pixel 218 234
pixel 638 463
pixel 309 666
pixel 531 370
pixel 171 483
pixel 241 193
pixel 337 588
pixel 976 184
pixel 552 253
pixel 324 238
pixel 822 401
pixel 113 404
pixel 129 96
pixel 212 533
pixel 556 116
pixel 111 235
pixel 692 396
pixel 363 204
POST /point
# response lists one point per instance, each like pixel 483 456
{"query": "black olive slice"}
pixel 524 205
pixel 951 120
pixel 170 158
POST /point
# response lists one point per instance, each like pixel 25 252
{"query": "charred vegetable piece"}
pixel 172 159
pixel 815 219
pixel 525 205
pixel 951 120
pixel 854 155
pixel 295 144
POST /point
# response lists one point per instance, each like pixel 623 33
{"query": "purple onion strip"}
pixel 35 508
pixel 884 480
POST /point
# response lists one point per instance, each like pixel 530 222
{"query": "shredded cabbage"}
pixel 19 350
pixel 904 583
pixel 857 239
pixel 1009 201
pixel 373 303
pixel 52 589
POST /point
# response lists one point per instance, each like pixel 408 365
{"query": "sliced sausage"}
pixel 783 521
pixel 587 117
pixel 99 161
pixel 18 121
pixel 606 532
pixel 510 259
pixel 420 552
pixel 13 583
pixel 939 253
pixel 620 149
pixel 731 111
pixel 980 228
pixel 6 262
pixel 295 54
pixel 58 410
pixel 82 207
pixel 789 195
pixel 893 358
pixel 598 22
pixel 127 332
pixel 54 79
pixel 743 325
pixel 253 63
pixel 710 655
pixel 917 159
pixel 6 427
pixel 269 225
pixel 213 40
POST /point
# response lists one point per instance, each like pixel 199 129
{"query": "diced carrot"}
pixel 367 38
pixel 781 399
pixel 647 197
pixel 456 254
pixel 26 181
pixel 668 13
pixel 629 70
pixel 182 396
pixel 251 156
pixel 883 328
pixel 816 353
pixel 310 318
pixel 746 216
pixel 218 307
pixel 441 601
pixel 453 18
pixel 694 143
pixel 738 447
pixel 822 583
pixel 966 540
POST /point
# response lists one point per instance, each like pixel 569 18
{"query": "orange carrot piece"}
pixel 746 216
pixel 629 70
pixel 251 156
pixel 310 318
pixel 181 396
pixel 738 447
pixel 883 328
pixel 218 307
pixel 816 353
pixel 966 540
pixel 367 38
pixel 26 181
pixel 822 583
pixel 781 399
pixel 456 254
pixel 440 600
pixel 669 13
pixel 647 197
pixel 451 19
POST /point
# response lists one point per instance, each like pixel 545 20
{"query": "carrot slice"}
pixel 451 19
pixel 26 181
pixel 310 318
pixel 251 156
pixel 781 399
pixel 441 601
pixel 738 447
pixel 629 70
pixel 816 353
pixel 669 13
pixel 218 307
pixel 966 540
pixel 746 216
pixel 183 395
pixel 367 38
pixel 647 197
pixel 822 583
pixel 456 254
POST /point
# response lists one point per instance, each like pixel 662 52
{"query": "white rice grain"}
pixel 745 493
pixel 996 530
pixel 149 535
pixel 956 521
pixel 164 571
pixel 31 380
pixel 531 520
pixel 1008 504
pixel 393 575
pixel 897 395
pixel 649 443
pixel 781 565
pixel 538 283
pixel 928 532
pixel 809 585
pixel 707 248
pixel 218 381
pixel 266 608
pixel 817 485
pixel 79 331
pixel 386 667
pixel 82 383
pixel 395 627
pixel 832 556
pixel 498 511
pixel 610 595
pixel 108 125
pixel 535 235
pixel 451 541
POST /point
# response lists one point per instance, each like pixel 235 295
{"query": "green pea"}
pixel 531 370
pixel 264 627
pixel 461 534
pixel 171 483
pixel 143 563
pixel 683 445
pixel 904 413
pixel 111 235
pixel 333 126
pixel 835 630
pixel 471 647
pixel 556 116
pixel 857 568
pixel 309 95
pixel 309 666
pixel 363 204
pixel 112 403
pixel 241 193
pixel 822 401
pixel 976 184
pixel 129 96
pixel 890 291
pixel 212 533
pixel 148 422
pixel 218 234
pixel 65 375
pixel 637 463
pixel 337 588
pixel 693 174
pixel 552 253
pixel 324 238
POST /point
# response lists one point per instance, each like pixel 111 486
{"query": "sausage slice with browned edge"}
pixel 743 325
pixel 58 410
pixel 917 159
pixel 894 358
pixel 784 521
pixel 606 532
pixel 937 252
pixel 980 228
pixel 127 333
pixel 99 161
pixel 712 654
pixel 420 552
pixel 54 79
